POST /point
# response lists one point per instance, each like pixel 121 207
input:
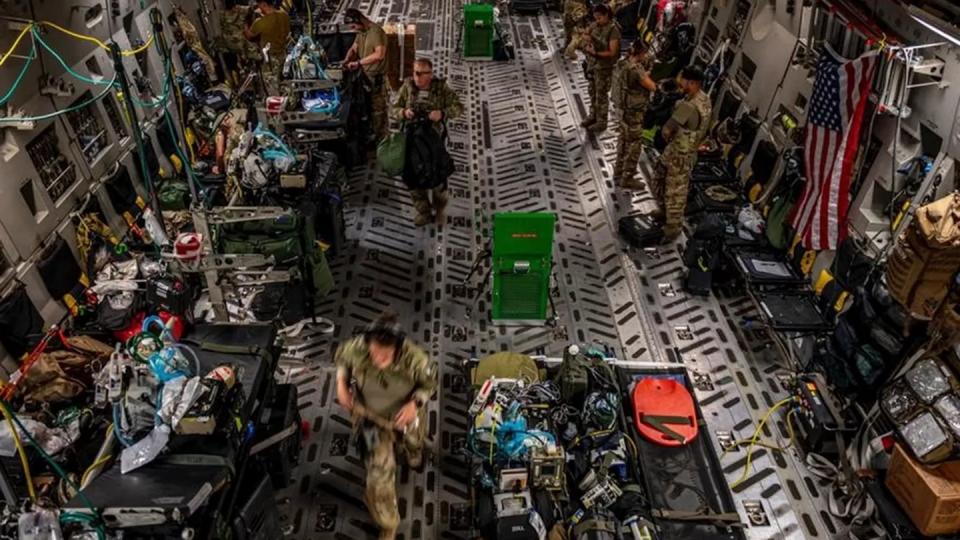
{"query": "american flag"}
pixel 832 138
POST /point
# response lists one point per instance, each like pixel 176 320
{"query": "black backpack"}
pixel 427 165
pixel 702 253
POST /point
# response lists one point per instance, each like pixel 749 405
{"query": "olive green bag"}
pixel 392 153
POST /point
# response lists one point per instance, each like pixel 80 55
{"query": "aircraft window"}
pixel 113 115
pixel 88 127
pixel 801 102
pixel 748 68
pixel 55 170
pixel 29 197
pixel 930 142
pixel 93 66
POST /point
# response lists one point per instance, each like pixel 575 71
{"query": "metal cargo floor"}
pixel 519 148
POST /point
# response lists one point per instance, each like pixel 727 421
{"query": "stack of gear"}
pixel 607 500
pixel 291 241
pixel 537 442
pixel 922 266
pixel 520 459
pixel 924 406
pixel 303 63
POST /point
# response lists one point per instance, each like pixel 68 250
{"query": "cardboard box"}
pixel 930 496
pixel 400 63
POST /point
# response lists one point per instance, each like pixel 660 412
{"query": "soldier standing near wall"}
pixel 684 132
pixel 636 86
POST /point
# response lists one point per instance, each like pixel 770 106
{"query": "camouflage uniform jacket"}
pixel 635 96
pixel 232 24
pixel 684 145
pixel 602 35
pixel 413 375
pixel 440 98
pixel 575 11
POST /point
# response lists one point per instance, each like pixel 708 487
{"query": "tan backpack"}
pixel 926 257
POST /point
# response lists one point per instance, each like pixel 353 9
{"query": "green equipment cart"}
pixel 522 261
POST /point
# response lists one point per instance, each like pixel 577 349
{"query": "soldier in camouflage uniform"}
pixel 425 94
pixel 574 15
pixel 237 49
pixel 193 41
pixel 602 54
pixel 684 132
pixel 636 86
pixel 393 379
pixel 369 52
pixel 273 28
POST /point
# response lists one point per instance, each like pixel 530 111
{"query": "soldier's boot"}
pixel 632 184
pixel 421 203
pixel 440 207
pixel 415 460
pixel 588 121
pixel 598 126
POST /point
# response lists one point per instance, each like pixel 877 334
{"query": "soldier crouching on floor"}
pixel 385 381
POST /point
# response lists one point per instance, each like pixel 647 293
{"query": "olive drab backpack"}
pixel 618 86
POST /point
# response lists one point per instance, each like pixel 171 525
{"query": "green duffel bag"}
pixel 284 249
pixel 174 195
pixel 319 274
pixel 392 153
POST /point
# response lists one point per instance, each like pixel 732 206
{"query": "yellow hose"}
pixel 23 454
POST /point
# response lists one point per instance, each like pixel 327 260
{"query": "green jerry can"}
pixel 478 32
pixel 522 264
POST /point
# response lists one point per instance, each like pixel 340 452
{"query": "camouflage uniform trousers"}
pixel 422 204
pixel 381 464
pixel 600 94
pixel 629 145
pixel 379 111
pixel 272 71
pixel 670 187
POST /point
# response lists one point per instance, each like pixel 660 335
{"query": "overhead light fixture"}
pixel 922 17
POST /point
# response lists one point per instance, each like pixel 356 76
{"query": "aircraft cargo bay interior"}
pixel 479 269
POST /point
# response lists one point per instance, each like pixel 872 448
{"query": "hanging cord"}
pixel 91 39
pixel 23 455
pixel 754 440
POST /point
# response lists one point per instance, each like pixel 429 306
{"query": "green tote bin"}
pixel 478 32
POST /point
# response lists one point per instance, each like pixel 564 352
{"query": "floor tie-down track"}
pixel 519 148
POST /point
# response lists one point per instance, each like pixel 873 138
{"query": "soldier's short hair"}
pixel 692 73
pixel 424 62
pixel 603 9
pixel 353 16
pixel 638 47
